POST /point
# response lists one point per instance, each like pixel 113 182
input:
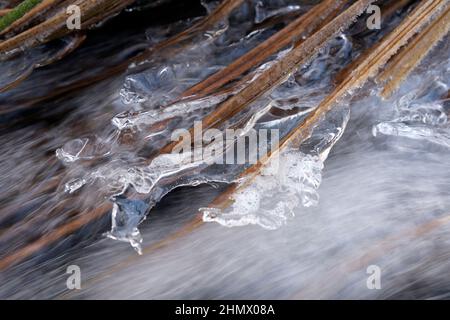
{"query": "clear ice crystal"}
pixel 419 111
pixel 83 149
pixel 74 185
pixel 292 180
pixel 417 120
pixel 440 136
pixel 127 214
pixel 72 150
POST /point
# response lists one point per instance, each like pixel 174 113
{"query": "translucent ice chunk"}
pixel 288 181
pixel 439 136
pixel 71 151
pixel 429 114
pixel 134 120
pixel 418 120
pixel 127 214
pixel 158 82
pixel 83 148
pixel 264 11
pixel 74 185
pixel 295 182
pixel 117 176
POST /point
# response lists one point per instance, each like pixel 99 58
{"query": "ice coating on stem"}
pixel 289 180
pixel 126 216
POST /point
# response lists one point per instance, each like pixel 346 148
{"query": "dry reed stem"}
pixel 413 54
pixel 46 30
pixel 301 26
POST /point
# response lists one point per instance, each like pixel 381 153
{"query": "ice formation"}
pixel 115 163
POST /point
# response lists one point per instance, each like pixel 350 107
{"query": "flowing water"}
pixel 368 187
